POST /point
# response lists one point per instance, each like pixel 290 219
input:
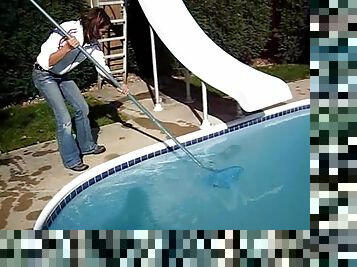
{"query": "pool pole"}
pixel 117 85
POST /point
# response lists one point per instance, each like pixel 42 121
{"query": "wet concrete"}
pixel 24 202
pixel 22 172
pixel 41 170
pixel 175 128
pixel 47 198
pixel 43 153
pixel 6 205
pixel 32 216
pixel 111 156
pixel 31 176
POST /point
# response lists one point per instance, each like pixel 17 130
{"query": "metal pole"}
pixel 188 99
pixel 158 106
pixel 115 82
pixel 205 123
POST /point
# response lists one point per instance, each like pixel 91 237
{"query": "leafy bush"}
pixel 289 42
pixel 240 27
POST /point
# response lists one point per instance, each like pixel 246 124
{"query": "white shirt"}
pixel 73 58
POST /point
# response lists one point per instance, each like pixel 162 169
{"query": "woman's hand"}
pixel 124 89
pixel 71 43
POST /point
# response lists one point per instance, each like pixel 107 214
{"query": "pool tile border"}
pixel 56 211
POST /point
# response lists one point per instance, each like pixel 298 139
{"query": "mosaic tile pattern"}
pixel 333 130
pixel 135 161
pixel 155 248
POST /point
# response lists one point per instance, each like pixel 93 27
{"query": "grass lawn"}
pixel 24 126
pixel 286 72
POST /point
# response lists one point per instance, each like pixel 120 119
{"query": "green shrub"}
pixel 240 27
pixel 290 36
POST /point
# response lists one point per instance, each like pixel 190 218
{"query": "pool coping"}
pixel 104 170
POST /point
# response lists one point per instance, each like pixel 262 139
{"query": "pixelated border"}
pixel 156 248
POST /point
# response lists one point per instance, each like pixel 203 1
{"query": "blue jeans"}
pixel 56 90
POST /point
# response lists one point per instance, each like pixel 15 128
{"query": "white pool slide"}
pixel 177 29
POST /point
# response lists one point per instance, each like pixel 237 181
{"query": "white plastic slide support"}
pixel 188 99
pixel 205 123
pixel 174 25
pixel 157 106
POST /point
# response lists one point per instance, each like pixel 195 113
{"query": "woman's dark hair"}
pixel 93 20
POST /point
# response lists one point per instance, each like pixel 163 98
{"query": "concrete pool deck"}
pixel 31 176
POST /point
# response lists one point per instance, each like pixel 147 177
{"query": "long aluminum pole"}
pixel 116 83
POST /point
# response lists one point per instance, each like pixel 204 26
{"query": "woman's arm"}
pixel 59 54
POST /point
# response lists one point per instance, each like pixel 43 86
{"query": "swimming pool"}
pixel 159 188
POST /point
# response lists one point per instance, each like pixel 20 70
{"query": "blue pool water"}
pixel 171 192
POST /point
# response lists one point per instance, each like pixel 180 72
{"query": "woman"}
pixel 58 56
